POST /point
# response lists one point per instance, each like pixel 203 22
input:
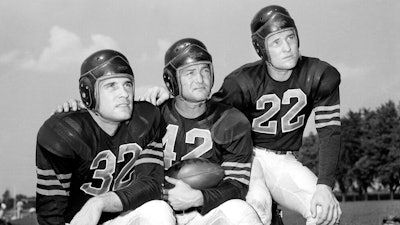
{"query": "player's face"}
pixel 116 98
pixel 195 81
pixel 283 49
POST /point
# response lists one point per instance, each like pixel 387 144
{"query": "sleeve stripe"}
pixel 152 152
pixel 155 144
pixel 331 123
pixel 327 116
pixel 52 173
pixel 241 180
pixel 52 192
pixel 236 164
pixel 326 108
pixel 241 172
pixel 149 160
pixel 53 183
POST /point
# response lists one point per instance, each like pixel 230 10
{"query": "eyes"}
pixel 203 71
pixel 114 85
pixel 278 41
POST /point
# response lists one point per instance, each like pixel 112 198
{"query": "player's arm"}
pixel 53 175
pixel 90 213
pixel 149 175
pixel 327 122
pixel 233 93
pixel 70 105
pixel 149 171
pixel 182 196
pixel 156 95
pixel 233 134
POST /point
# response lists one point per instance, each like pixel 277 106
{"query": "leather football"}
pixel 199 173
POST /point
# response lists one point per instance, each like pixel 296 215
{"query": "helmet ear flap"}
pixel 171 82
pixel 259 46
pixel 85 89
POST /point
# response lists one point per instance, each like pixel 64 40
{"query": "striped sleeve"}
pixel 327 116
pixel 327 122
pixel 152 154
pixel 232 134
pixel 51 184
pixel 148 173
pixel 52 187
pixel 237 171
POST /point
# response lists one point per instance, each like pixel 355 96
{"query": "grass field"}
pixel 355 213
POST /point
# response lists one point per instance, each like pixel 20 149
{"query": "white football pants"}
pixel 291 185
pixel 156 212
pixel 231 212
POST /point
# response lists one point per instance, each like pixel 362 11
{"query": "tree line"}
pixel 370 150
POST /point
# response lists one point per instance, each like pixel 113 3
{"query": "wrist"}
pixel 324 186
pixel 96 202
pixel 198 199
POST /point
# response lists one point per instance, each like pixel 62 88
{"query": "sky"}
pixel 43 43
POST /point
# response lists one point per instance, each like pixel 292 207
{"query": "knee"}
pixel 158 206
pixel 239 211
pixel 259 195
pixel 164 213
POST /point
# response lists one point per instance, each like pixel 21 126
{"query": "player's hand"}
pixel 329 211
pixel 70 105
pixel 155 95
pixel 89 214
pixel 182 196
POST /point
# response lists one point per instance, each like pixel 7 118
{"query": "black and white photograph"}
pixel 200 112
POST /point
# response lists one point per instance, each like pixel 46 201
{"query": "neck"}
pixel 278 74
pixel 188 109
pixel 110 127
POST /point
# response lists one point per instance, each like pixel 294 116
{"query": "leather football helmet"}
pixel 101 65
pixel 185 52
pixel 270 20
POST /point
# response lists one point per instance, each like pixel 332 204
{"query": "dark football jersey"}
pixel 278 111
pixel 222 135
pixel 77 160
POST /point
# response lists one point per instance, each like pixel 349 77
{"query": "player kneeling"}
pixel 203 192
pixel 196 127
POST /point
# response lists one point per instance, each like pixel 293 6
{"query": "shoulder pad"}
pixel 230 126
pixel 329 81
pixel 61 135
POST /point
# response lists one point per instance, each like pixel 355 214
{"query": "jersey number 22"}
pixel 286 120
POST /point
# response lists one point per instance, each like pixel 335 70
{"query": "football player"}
pixel 277 94
pixel 107 158
pixel 198 127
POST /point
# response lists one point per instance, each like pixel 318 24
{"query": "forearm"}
pixel 140 192
pixel 329 157
pixel 198 199
pixel 224 192
pixel 108 202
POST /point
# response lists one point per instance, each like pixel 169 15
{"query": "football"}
pixel 199 173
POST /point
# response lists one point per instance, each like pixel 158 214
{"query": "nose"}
pixel 125 91
pixel 199 76
pixel 286 46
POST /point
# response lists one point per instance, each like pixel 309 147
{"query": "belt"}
pixel 276 151
pixel 181 212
